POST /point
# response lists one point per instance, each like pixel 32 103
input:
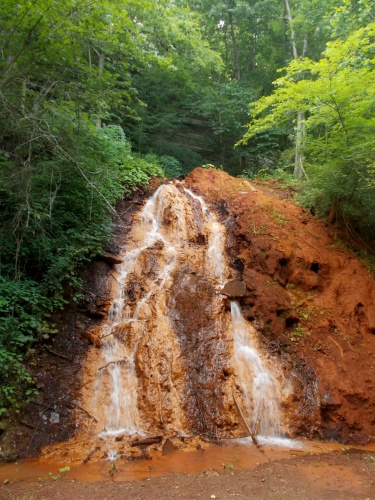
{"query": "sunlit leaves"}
pixel 337 94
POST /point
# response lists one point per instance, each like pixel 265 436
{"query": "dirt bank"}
pixel 313 302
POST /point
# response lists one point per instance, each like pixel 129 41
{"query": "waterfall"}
pixel 256 381
pixel 165 355
pixel 216 239
pixel 122 414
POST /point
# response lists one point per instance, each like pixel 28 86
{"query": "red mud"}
pixel 313 302
pixel 343 475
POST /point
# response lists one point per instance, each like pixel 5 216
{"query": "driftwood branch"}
pixel 257 423
pixel 252 188
pixel 147 441
pixel 90 454
pixel 58 354
pixel 31 426
pixel 111 363
pixel 106 335
pixel 338 345
pixel 160 400
pixel 252 435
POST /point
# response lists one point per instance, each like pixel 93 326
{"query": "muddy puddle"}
pixel 240 455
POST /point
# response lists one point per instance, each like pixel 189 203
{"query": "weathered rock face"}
pixel 165 358
pixel 313 303
pixel 197 317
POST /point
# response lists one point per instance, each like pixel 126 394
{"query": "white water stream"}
pixel 167 220
pixel 257 382
pixel 122 415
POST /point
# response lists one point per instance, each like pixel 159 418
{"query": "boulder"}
pixel 234 289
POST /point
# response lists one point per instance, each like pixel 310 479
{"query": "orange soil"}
pixel 313 302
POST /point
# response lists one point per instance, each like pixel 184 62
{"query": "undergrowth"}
pixel 298 334
pixel 281 175
pixel 55 215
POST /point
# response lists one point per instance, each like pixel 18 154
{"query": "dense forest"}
pixel 99 96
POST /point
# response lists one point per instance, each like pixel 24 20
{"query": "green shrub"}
pixel 55 214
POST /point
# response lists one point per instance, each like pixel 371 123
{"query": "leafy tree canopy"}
pixel 337 95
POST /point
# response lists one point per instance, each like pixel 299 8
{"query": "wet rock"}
pixel 234 289
pixel 205 353
pixel 120 437
pixel 109 258
pixel 169 447
pixel 54 418
pixel 98 308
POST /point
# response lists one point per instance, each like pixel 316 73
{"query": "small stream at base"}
pixel 221 459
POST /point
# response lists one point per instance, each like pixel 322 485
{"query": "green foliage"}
pixel 337 96
pixel 53 219
pixel 350 15
pixel 187 158
pixel 209 165
pixel 369 261
pixel 170 165
pixel 16 383
pixel 284 178
pixel 298 334
pixel 224 107
pixel 23 310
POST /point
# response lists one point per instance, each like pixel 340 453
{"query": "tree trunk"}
pixel 300 134
pixel 292 32
pixel 236 58
pixel 101 69
pixel 298 164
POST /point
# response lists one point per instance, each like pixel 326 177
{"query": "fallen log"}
pixel 147 441
pixel 90 454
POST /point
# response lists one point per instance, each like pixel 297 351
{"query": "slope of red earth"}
pixel 313 303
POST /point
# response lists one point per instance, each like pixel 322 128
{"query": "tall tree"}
pixel 300 132
pixel 338 94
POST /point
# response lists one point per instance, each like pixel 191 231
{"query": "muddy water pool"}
pixel 240 455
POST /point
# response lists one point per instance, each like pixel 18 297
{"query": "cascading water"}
pixel 167 360
pixel 257 383
pixel 118 355
pixel 216 241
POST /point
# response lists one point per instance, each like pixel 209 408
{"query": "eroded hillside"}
pixel 313 303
